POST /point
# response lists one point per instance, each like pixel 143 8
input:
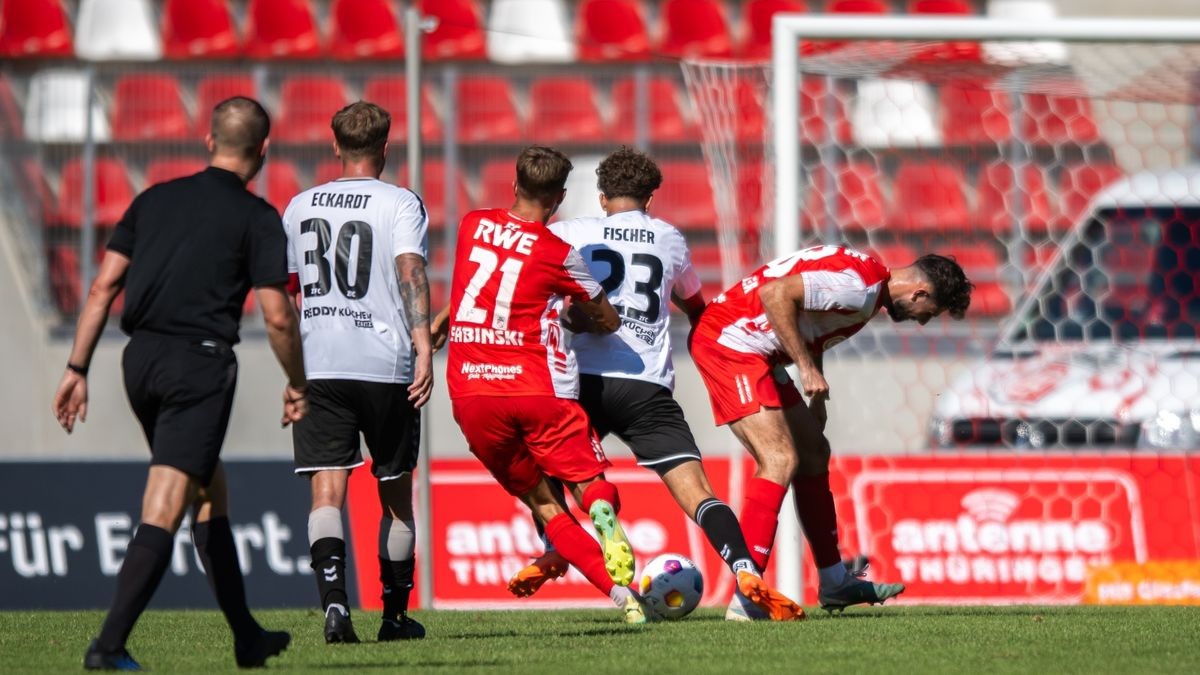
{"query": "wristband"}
pixel 80 370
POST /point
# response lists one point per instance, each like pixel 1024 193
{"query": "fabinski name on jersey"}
pixel 486 336
pixel 634 234
pixel 362 319
pixel 340 200
pixel 506 236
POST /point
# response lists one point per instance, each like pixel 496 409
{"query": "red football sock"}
pixel 579 549
pixel 814 504
pixel 601 489
pixel 760 518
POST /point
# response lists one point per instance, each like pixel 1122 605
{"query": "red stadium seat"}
pixel 164 169
pixel 612 30
pixel 973 114
pixel 686 196
pixel 564 110
pixel 496 179
pixel 326 171
pixel 198 28
pixel 65 282
pixel 995 204
pixel 212 90
pixel 695 28
pixel 487 110
pixel 112 192
pixel 860 203
pixel 36 28
pixel 459 33
pixel 281 29
pixel 149 107
pixel 365 29
pixel 283 183
pixel 756 16
pixel 306 106
pixel 858 7
pixel 391 93
pixel 1077 186
pixel 433 192
pixel 1053 120
pixel 928 196
pixel 665 119
pixel 989 299
pixel 815 102
pixel 10 112
pixel 946 51
pixel 893 255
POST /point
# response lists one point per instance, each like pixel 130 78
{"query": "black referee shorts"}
pixel 339 410
pixel 181 390
pixel 644 415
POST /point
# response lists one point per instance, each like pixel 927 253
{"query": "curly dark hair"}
pixel 951 288
pixel 628 173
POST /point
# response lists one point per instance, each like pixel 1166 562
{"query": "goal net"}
pixel 1042 449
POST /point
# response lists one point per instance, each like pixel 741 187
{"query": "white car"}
pixel 1104 352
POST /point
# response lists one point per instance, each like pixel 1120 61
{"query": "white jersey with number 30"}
pixel 343 240
pixel 640 261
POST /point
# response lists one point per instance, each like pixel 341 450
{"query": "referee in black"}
pixel 187 252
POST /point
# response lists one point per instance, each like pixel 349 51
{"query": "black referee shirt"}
pixel 197 245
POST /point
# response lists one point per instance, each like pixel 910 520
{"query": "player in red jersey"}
pixel 792 310
pixel 513 380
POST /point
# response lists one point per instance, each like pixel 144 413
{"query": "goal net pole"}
pixel 787 32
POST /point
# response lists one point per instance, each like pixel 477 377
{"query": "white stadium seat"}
pixel 117 30
pixel 894 113
pixel 529 31
pixel 56 105
pixel 1016 53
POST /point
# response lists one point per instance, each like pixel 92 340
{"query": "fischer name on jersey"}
pixel 505 337
pixel 639 261
pixel 343 240
pixel 842 291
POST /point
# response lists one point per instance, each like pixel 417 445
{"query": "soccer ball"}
pixel 671 586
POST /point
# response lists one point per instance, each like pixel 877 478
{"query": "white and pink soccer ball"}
pixel 671 586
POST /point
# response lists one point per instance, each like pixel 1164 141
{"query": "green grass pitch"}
pixel 907 639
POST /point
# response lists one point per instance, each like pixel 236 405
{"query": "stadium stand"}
pixel 496 183
pixel 996 192
pixel 306 104
pixel 695 28
pixel 756 19
pixel 434 190
pixel 212 90
pixel 1077 185
pixel 860 203
pixel 612 30
pixel 163 169
pixel 928 196
pixel 487 110
pixel 112 191
pixel 972 114
pixel 389 92
pixel 364 29
pixel 895 113
pixel 198 29
pixel 686 197
pixel 1054 120
pixel 56 105
pixel 665 119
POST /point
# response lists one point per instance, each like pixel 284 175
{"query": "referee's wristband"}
pixel 81 370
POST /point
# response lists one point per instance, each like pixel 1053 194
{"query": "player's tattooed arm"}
pixel 414 292
pixel 782 299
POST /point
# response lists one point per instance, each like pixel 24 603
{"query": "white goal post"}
pixel 784 140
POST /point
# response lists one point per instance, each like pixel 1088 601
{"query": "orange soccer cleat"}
pixel 527 582
pixel 776 605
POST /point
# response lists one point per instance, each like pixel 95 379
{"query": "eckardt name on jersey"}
pixel 340 200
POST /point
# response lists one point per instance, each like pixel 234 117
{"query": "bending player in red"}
pixel 792 310
pixel 513 380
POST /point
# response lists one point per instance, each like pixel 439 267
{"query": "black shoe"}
pixel 338 628
pixel 255 654
pixel 404 629
pixel 96 659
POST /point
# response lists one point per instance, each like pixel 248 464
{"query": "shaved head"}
pixel 240 127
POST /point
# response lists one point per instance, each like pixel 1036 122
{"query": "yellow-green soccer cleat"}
pixel 634 610
pixel 618 554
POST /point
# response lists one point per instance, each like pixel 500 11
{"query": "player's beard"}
pixel 899 311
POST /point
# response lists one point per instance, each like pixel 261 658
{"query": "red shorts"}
pixel 740 384
pixel 520 438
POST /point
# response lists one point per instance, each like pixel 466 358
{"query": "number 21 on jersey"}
pixel 488 261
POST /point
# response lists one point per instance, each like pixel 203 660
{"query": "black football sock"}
pixel 214 542
pixel 397 578
pixel 329 566
pixel 725 534
pixel 146 560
